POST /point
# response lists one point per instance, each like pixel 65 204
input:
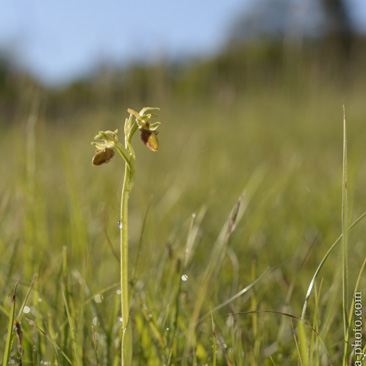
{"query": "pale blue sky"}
pixel 58 40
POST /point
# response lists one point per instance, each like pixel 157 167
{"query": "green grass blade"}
pixel 95 346
pixel 193 230
pixel 152 324
pixel 236 296
pixel 138 250
pixel 10 330
pixel 345 241
pixel 20 313
pixel 312 282
pixel 300 362
pixel 71 322
pixel 55 346
pixel 11 265
pixel 315 324
pixel 214 350
pixel 303 343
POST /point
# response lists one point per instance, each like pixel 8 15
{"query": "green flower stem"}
pixel 126 189
pixel 128 181
pixel 126 348
pixel 124 156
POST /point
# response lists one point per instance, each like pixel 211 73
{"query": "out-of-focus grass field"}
pixel 282 147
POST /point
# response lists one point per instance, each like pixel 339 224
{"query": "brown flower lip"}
pixel 103 156
pixel 149 139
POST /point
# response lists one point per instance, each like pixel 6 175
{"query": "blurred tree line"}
pixel 290 42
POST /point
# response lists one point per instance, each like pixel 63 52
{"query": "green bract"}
pixel 109 139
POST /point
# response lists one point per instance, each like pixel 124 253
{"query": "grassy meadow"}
pixel 278 148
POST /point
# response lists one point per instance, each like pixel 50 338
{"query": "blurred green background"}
pixel 263 114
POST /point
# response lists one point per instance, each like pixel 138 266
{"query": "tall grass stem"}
pixel 345 240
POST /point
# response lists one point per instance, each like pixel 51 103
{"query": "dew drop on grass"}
pixel 26 309
pixel 118 292
pixel 98 298
pixel 139 285
pixel 120 225
pixel 95 321
pixel 184 278
pixel 230 321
